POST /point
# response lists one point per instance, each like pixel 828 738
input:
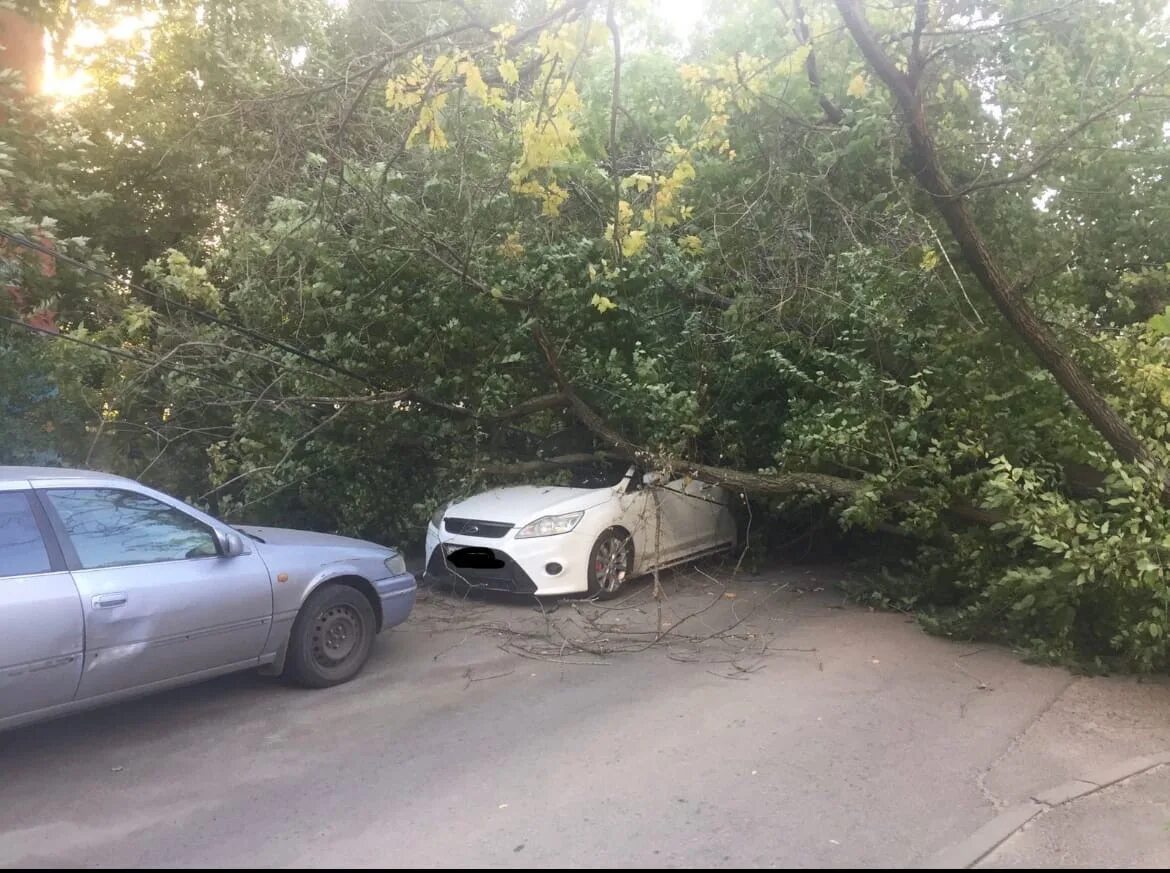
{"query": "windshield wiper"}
pixel 249 535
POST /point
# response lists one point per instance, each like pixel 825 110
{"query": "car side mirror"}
pixel 654 479
pixel 229 543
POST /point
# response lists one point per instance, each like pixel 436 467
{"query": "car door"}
pixel 653 514
pixel 681 516
pixel 42 634
pixel 707 507
pixel 158 599
pixel 636 514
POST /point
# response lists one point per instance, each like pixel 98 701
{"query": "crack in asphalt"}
pixel 1014 743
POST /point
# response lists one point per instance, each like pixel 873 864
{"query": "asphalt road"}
pixel 798 733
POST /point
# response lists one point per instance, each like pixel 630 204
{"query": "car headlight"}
pixel 550 525
pixel 437 518
pixel 396 565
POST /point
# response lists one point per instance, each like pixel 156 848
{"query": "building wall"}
pixel 22 47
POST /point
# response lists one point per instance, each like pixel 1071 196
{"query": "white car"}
pixel 610 524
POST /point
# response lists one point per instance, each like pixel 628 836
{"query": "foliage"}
pixel 342 221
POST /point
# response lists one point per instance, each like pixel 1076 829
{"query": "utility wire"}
pixel 207 316
pixel 122 353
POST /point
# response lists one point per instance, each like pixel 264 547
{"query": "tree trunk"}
pixel 953 207
pixel 738 480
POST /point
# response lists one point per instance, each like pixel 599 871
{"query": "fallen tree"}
pixel 730 267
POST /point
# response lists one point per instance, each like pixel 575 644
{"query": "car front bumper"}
pixel 397 594
pixel 523 563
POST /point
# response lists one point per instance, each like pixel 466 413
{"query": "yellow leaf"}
pixel 639 180
pixel 443 67
pixel 929 260
pixel 858 87
pixel 684 172
pixel 634 242
pixel 473 81
pixel 511 247
pixel 794 62
pixel 436 139
pixel 603 304
pixel 691 244
pixel 554 197
pixel 508 72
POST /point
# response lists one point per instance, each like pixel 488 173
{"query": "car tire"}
pixel 331 638
pixel 611 563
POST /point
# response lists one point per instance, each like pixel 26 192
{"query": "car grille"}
pixel 473 528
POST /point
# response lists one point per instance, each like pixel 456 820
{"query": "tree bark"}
pixel 833 113
pixel 614 105
pixel 560 462
pixel 951 204
pixel 738 480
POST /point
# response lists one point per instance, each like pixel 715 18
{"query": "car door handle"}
pixel 106 601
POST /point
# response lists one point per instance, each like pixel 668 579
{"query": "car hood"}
pixel 523 503
pixel 279 536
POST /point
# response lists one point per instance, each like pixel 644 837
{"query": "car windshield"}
pixel 598 474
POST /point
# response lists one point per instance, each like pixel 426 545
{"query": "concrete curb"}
pixel 980 844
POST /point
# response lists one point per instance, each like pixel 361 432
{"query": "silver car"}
pixel 109 589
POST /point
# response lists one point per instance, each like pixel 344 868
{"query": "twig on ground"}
pixel 600 631
pixel 471 678
pixel 450 648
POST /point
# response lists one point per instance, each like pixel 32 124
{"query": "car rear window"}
pixel 22 550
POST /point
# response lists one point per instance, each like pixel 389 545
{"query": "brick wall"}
pixel 22 47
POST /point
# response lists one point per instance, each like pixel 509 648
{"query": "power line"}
pixel 207 316
pixel 122 353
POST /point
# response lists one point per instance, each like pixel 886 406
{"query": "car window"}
pixel 110 528
pixel 598 474
pixel 635 482
pixel 22 550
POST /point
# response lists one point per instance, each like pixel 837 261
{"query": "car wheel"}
pixel 332 637
pixel 610 563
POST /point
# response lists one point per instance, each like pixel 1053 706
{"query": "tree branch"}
pixel 409 395
pixel 720 301
pixel 566 11
pixel 1048 154
pixel 739 480
pixel 800 29
pixel 1035 334
pixel 921 19
pixel 520 468
pixel 614 104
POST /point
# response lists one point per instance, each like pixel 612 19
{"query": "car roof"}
pixel 33 474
